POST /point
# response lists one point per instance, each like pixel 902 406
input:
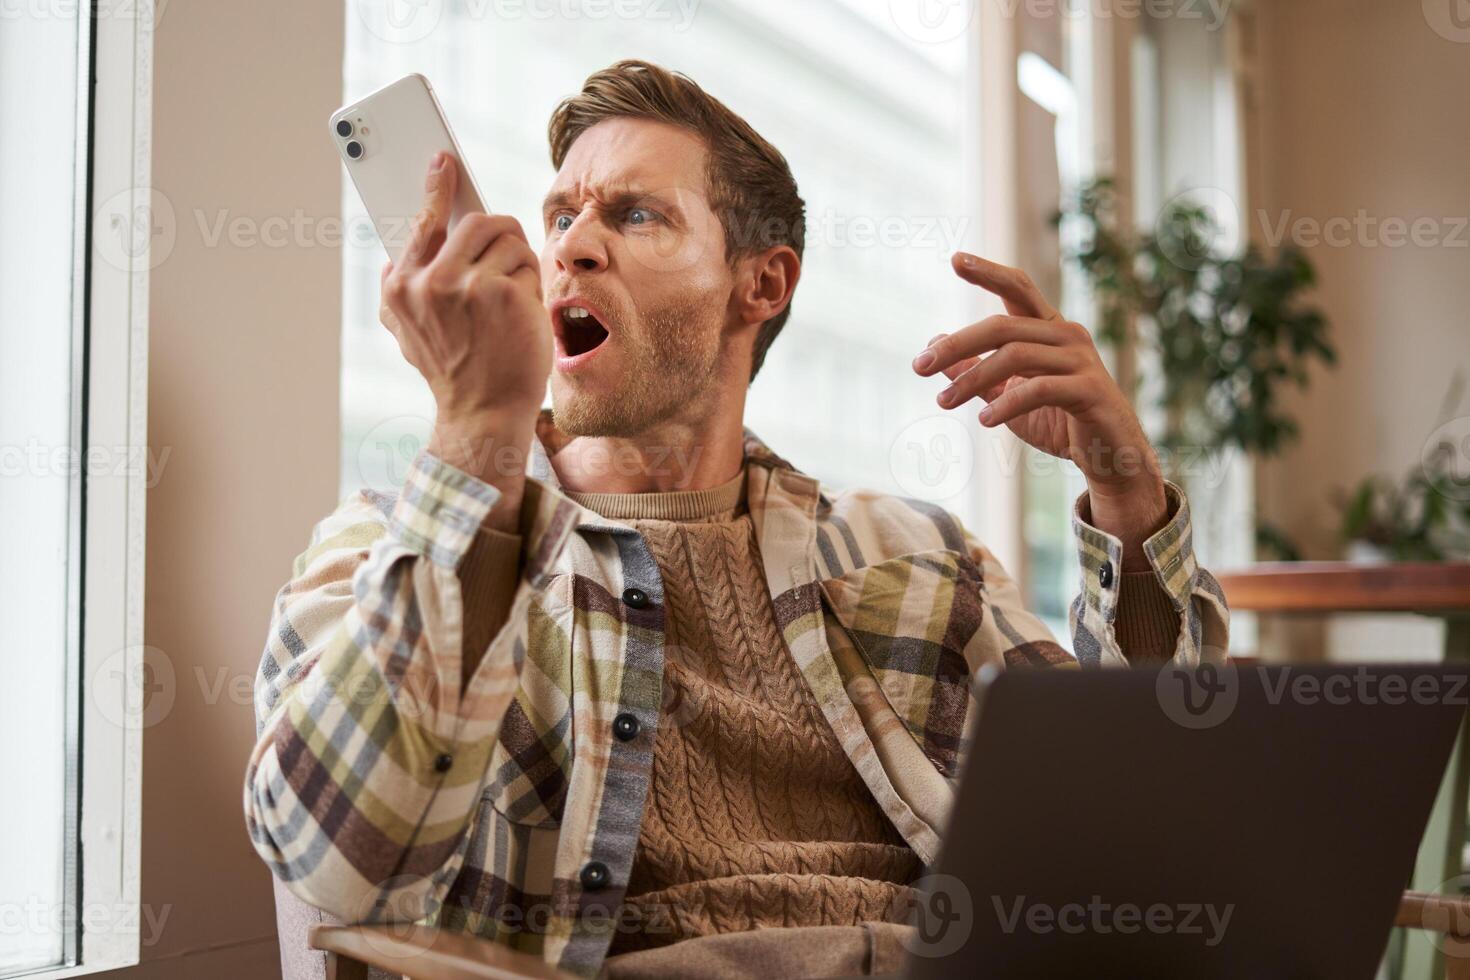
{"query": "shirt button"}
pixel 1105 575
pixel 626 727
pixel 595 876
pixel 443 762
pixel 636 598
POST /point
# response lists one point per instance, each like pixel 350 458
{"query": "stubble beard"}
pixel 671 357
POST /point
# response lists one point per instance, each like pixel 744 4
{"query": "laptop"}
pixel 1246 821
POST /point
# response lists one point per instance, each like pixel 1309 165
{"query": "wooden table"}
pixel 1432 588
pixel 1440 589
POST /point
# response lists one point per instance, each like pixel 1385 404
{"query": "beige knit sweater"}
pixel 755 816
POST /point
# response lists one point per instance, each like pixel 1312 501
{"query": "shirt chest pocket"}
pixel 528 775
pixel 911 618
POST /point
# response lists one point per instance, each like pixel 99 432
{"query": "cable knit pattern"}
pixel 755 816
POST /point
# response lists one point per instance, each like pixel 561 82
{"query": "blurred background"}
pixel 1260 209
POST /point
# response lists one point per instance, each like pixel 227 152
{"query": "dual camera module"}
pixel 344 130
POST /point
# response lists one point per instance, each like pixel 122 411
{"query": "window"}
pixel 74 246
pixel 1054 76
pixel 1166 84
pixel 876 154
pixel 38 409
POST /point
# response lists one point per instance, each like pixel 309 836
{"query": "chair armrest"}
pixel 424 953
pixel 1437 913
pixel 1449 917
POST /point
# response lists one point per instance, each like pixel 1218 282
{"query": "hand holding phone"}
pixel 461 292
pixel 466 309
pixel 466 306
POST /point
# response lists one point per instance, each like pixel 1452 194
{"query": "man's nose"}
pixel 582 247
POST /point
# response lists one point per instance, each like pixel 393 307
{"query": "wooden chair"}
pixel 422 953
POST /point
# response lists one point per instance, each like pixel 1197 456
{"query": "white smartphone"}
pixel 387 140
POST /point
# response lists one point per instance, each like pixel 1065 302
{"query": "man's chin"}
pixel 581 409
pixel 624 412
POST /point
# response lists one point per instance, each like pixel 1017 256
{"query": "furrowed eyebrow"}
pixel 555 200
pixel 615 200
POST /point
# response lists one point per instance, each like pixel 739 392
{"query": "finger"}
pixel 1013 286
pixel 383 275
pixel 987 378
pixel 390 299
pixel 958 367
pixel 506 254
pixel 1031 394
pixel 432 222
pixel 530 277
pixel 509 257
pixel 989 334
pixel 475 233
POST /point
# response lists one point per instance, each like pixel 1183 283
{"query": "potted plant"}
pixel 1423 517
pixel 1228 329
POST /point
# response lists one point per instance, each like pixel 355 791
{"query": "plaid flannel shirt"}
pixel 379 790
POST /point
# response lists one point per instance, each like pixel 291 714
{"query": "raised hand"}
pixel 467 312
pixel 1041 376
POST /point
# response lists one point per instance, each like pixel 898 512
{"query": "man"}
pixel 618 685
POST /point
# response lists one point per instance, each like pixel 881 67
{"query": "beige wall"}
pixel 243 386
pixel 1362 107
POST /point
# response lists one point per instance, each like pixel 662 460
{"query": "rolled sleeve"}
pixel 440 510
pixel 1194 593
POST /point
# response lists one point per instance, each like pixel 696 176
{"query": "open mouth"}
pixel 579 331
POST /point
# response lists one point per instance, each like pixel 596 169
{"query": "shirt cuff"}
pixel 1170 553
pixel 440 509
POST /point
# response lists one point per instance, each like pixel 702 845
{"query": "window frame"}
pixel 105 671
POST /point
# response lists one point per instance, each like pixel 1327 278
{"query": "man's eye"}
pixel 639 216
pixel 562 222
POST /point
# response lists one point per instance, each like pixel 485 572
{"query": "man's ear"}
pixel 765 282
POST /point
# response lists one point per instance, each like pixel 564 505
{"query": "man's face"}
pixel 631 243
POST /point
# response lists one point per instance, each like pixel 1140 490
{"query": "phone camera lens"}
pixel 354 149
pixel 344 128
